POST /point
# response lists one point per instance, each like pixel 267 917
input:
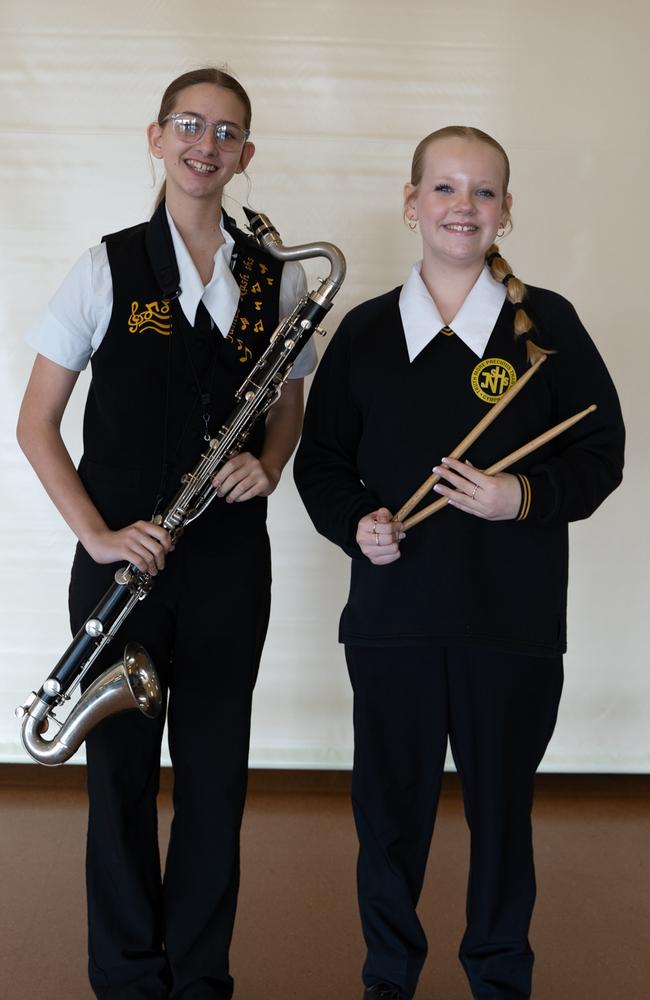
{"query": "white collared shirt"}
pixel 75 321
pixel 473 322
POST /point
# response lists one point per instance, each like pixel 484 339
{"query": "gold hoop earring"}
pixel 501 232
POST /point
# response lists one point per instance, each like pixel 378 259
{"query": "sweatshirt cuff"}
pixel 350 545
pixel 524 506
pixel 541 502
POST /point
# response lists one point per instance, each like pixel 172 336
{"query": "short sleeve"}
pixel 73 325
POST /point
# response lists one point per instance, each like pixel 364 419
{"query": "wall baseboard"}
pixel 337 782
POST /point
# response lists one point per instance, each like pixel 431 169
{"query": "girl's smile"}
pixel 201 167
pixel 459 203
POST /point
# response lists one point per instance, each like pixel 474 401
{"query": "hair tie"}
pixel 492 256
pixel 506 278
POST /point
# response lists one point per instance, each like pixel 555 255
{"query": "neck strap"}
pixel 160 248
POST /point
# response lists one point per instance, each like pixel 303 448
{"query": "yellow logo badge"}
pixel 491 378
pixel 154 318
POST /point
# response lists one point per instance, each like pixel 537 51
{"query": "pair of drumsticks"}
pixel 469 440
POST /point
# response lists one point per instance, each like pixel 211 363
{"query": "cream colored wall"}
pixel 341 93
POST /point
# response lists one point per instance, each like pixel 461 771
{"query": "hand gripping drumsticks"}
pixel 503 463
pixel 470 438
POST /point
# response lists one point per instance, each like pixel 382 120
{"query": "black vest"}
pixel 144 418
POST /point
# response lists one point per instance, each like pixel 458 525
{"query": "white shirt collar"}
pixel 221 295
pixel 473 322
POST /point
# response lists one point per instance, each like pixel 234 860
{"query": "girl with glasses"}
pixel 172 314
pixel 455 630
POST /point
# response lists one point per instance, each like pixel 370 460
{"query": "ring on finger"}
pixel 377 538
pixel 475 489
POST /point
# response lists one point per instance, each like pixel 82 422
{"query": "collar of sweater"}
pixel 473 322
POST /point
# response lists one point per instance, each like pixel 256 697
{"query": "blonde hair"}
pixel 499 267
pixel 516 293
pixel 457 132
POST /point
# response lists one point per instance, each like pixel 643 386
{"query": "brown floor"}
pixel 297 935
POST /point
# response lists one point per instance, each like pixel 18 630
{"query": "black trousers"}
pixel 498 712
pixel 204 625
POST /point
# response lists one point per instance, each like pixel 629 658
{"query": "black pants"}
pixel 498 711
pixel 204 625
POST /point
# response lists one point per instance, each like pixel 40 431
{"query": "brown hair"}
pixel 499 267
pixel 205 74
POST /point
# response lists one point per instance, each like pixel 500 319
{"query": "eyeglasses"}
pixel 190 127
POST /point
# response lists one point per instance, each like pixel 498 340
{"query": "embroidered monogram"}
pixel 491 378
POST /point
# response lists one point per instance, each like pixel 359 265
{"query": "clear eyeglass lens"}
pixel 228 135
pixel 192 127
pixel 189 126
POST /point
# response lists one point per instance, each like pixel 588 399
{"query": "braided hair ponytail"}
pixel 516 293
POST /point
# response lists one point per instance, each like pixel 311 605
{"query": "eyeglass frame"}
pixel 195 114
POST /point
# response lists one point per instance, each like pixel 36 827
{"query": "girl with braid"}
pixel 455 631
pixel 172 315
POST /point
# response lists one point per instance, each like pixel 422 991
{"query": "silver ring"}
pixel 475 489
pixel 377 539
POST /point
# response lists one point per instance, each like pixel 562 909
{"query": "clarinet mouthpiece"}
pixel 262 229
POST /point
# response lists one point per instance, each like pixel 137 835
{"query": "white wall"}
pixel 341 93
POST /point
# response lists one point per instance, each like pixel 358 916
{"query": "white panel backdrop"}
pixel 341 93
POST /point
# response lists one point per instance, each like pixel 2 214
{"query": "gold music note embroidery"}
pixel 154 318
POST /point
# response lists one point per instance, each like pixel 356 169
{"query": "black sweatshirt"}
pixel 376 424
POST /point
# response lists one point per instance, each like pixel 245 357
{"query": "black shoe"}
pixel 382 991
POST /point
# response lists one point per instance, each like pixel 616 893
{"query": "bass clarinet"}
pixel 132 682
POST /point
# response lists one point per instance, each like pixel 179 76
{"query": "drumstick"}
pixel 503 463
pixel 470 438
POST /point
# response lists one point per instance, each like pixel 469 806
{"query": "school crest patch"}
pixel 491 378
